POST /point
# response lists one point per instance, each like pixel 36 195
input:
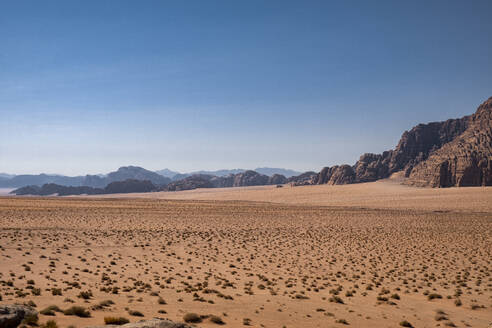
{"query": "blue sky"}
pixel 88 86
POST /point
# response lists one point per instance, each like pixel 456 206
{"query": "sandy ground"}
pixel 370 255
pixel 383 194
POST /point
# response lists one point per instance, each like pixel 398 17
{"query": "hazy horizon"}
pixel 87 87
pixel 149 169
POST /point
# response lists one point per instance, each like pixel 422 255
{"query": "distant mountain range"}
pixel 159 178
pixel 456 152
pixel 269 171
pixel 95 181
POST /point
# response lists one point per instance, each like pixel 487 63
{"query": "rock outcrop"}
pixel 192 182
pixel 243 179
pixel 455 152
pixel 11 316
pixel 302 179
pixel 250 178
pixel 277 179
pixel 336 175
pixel 153 323
pixel 465 161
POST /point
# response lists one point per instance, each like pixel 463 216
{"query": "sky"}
pixel 89 86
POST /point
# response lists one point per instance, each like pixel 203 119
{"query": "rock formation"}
pixel 465 161
pixel 11 316
pixel 250 178
pixel 302 179
pixel 455 152
pixel 277 179
pixel 336 175
pixel 191 182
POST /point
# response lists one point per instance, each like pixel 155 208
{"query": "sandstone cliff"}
pixel 455 152
pixel 465 161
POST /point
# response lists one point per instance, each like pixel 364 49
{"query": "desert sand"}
pixel 368 255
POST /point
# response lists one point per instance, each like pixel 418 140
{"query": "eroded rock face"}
pixel 465 161
pixel 305 178
pixel 455 152
pixel 191 182
pixel 336 175
pixel 153 323
pixel 277 179
pixel 11 316
pixel 250 178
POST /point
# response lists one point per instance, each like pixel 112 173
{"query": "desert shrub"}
pixel 31 319
pixel 30 303
pixel 115 320
pixel 192 317
pixel 56 292
pixel 135 313
pixel 36 291
pixel 161 301
pixel 432 296
pixel 342 321
pixel 405 323
pixel 247 322
pixel 79 311
pixel 85 295
pixel 336 299
pixel 50 324
pixel 50 310
pixel 216 319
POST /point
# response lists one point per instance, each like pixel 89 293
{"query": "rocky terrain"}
pixel 456 152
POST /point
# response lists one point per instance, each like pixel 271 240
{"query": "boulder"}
pixel 11 316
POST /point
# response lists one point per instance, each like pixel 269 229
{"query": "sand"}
pixel 369 255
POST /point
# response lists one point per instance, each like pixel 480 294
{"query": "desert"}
pixel 364 255
pixel 268 164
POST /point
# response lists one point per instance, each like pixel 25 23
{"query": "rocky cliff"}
pixel 455 152
pixel 464 161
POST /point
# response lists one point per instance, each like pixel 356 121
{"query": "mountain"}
pixel 127 186
pixel 167 173
pixel 270 171
pixel 41 179
pixel 464 161
pixel 6 175
pixel 136 173
pixel 95 181
pixel 247 178
pixel 191 182
pixel 456 152
pixel 219 173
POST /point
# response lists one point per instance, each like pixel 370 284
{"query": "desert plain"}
pixel 368 255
